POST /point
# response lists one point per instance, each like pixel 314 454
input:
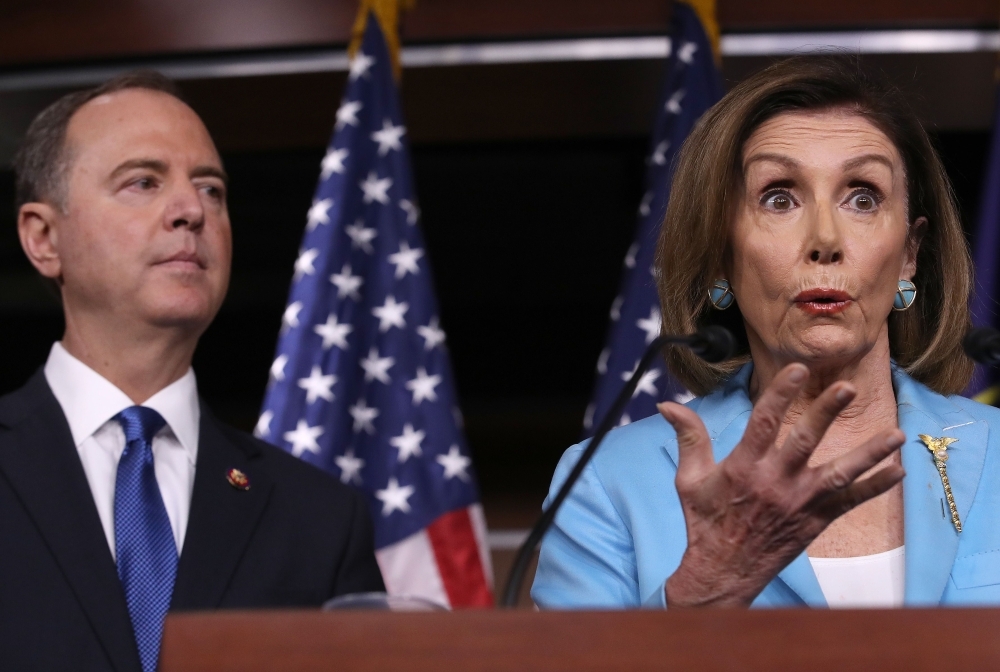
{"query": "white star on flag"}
pixel 647 200
pixel 317 385
pixel 625 420
pixel 347 284
pixel 432 334
pixel 360 236
pixel 303 438
pixel 360 65
pixel 686 52
pixel 333 162
pixel 263 427
pixel 673 105
pixel 390 314
pixel 377 368
pixel 394 497
pixel 405 260
pixel 411 210
pixel 350 467
pixel 278 367
pixel 651 325
pixel 304 264
pixel 290 319
pixel 408 442
pixel 388 138
pixel 630 255
pixel 333 332
pixel 347 114
pixel 375 189
pixel 602 361
pixel 363 416
pixel 616 308
pixel 423 386
pixel 645 382
pixel 455 464
pixel 660 153
pixel 319 213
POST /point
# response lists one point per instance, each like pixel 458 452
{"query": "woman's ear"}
pixel 36 227
pixel 913 239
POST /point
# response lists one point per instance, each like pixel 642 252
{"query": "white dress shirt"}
pixel 865 581
pixel 90 402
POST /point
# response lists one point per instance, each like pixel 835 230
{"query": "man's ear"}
pixel 914 238
pixel 36 226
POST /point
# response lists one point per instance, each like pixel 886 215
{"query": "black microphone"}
pixel 713 344
pixel 982 345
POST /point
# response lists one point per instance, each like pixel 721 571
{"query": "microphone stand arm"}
pixel 524 553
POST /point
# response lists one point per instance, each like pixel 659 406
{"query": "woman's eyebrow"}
pixel 786 161
pixel 859 161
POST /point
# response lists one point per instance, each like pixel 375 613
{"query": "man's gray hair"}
pixel 41 162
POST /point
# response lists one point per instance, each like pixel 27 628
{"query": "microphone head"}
pixel 982 345
pixel 714 344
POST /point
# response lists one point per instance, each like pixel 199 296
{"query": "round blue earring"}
pixel 720 294
pixel 906 292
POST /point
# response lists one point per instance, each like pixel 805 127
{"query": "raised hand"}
pixel 750 515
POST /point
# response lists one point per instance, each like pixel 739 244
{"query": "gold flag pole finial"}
pixel 387 14
pixel 706 12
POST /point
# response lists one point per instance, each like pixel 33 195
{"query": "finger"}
pixel 770 410
pixel 694 447
pixel 807 432
pixel 860 492
pixel 840 473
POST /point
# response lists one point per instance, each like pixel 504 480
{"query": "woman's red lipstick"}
pixel 823 301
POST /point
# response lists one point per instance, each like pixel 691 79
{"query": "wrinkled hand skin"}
pixel 750 515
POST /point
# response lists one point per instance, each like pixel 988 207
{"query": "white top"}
pixel 89 401
pixel 873 581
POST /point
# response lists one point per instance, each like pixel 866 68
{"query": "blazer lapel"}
pixel 931 538
pixel 222 519
pixel 40 462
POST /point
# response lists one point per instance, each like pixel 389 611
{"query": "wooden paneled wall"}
pixel 60 31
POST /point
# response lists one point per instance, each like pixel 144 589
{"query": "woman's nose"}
pixel 825 245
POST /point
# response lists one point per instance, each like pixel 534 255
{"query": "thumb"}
pixel 694 448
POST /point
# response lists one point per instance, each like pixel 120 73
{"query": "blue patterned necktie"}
pixel 144 541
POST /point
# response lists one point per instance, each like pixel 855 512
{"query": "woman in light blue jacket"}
pixel 832 463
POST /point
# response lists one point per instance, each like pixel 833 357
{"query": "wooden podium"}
pixel 772 640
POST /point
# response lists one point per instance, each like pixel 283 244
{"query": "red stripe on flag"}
pixel 457 555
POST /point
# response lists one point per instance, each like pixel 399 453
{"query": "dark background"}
pixel 526 241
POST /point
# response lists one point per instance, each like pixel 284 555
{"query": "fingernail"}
pixel 665 412
pixel 844 395
pixel 798 374
pixel 894 441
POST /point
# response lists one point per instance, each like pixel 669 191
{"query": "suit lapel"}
pixel 40 461
pixel 222 519
pixel 931 538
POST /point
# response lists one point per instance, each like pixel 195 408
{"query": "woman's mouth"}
pixel 823 301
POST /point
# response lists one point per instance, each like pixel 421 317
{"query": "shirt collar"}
pixel 89 400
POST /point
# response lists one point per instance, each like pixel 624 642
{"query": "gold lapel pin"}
pixel 238 479
pixel 939 450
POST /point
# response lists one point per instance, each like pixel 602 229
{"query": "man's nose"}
pixel 185 209
pixel 825 245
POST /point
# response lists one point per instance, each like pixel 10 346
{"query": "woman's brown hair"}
pixel 926 339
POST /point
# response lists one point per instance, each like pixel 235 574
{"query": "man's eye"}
pixel 779 201
pixel 144 183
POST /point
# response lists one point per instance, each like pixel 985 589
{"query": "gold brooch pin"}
pixel 238 479
pixel 939 449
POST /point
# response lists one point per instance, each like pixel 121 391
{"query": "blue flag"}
pixel 693 85
pixel 986 295
pixel 361 384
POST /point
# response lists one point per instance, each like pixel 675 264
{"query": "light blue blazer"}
pixel 621 531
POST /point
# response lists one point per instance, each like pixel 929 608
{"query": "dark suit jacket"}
pixel 297 537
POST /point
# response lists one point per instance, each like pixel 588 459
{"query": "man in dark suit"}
pixel 120 495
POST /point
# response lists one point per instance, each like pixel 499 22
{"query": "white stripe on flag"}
pixel 410 569
pixel 479 529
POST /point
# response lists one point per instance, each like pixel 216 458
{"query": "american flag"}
pixel 692 86
pixel 361 384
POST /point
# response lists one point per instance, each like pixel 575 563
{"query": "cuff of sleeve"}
pixel 658 600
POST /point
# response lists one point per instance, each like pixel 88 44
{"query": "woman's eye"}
pixel 863 201
pixel 779 201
